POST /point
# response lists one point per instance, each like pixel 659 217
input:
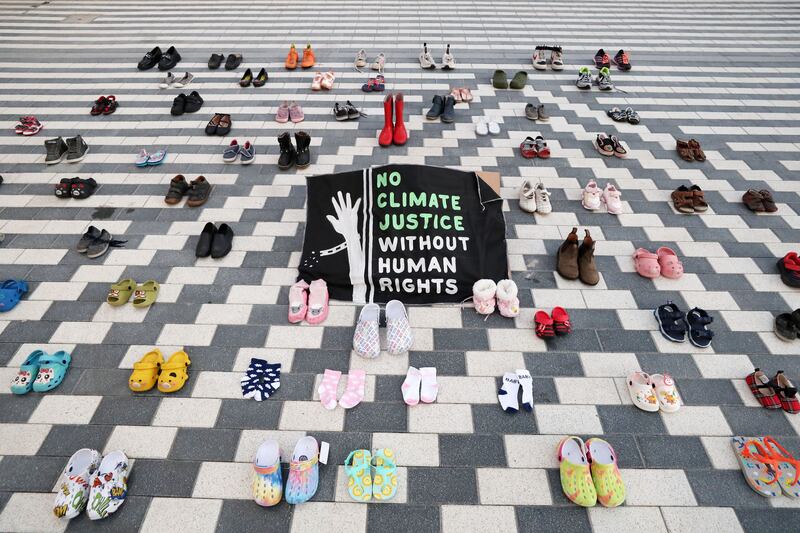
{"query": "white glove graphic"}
pixel 346 224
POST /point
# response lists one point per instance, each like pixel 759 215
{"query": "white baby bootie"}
pixel 483 296
pixel 507 300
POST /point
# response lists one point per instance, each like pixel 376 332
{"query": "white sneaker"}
pixel 379 62
pixel 591 196
pixel 448 61
pixel 542 196
pixel 482 127
pixel 527 199
pixel 557 60
pixel 494 127
pixel 539 60
pixel 425 58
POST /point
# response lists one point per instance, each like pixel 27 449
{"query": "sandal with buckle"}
pixel 111 105
pixel 528 148
pixel 671 322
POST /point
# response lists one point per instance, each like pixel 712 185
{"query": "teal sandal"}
pixel 359 480
pixel 384 482
pixel 52 370
pixel 23 381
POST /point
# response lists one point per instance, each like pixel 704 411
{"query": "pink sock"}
pixel 354 393
pixel 410 386
pixel 328 388
pixel 429 386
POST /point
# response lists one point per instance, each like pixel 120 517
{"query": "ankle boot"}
pixel 288 153
pixel 567 256
pixel 303 141
pixel 385 138
pixel 586 266
pixel 400 133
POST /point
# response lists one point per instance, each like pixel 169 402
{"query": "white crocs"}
pixel 507 300
pixel 398 331
pixel 366 340
pixel 73 489
pixel 109 486
pixel 483 296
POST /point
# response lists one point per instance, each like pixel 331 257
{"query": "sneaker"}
pixel 169 79
pixel 141 160
pixel 622 60
pixel 591 196
pixel 379 63
pixel 532 111
pixel 231 152
pixel 296 113
pixel 247 153
pixel 601 59
pixel 557 59
pixel 612 198
pixel 193 102
pixel 340 112
pixel 361 59
pixel 426 59
pixel 584 79
pixel 542 196
pixel 631 116
pixel 542 115
pixel 541 147
pixel 76 149
pixel 184 81
pixel 527 197
pixel 604 79
pixel 32 127
pixel 619 150
pixel 448 61
pixel 604 145
pixel 353 111
pixel 22 124
pixel 539 59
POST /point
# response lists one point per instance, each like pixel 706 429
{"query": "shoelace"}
pixel 543 196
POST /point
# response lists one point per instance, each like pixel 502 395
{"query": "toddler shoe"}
pixel 483 296
pixel 544 325
pixel 267 480
pixel 358 468
pixel 303 479
pixel 591 197
pixel 366 340
pixel 317 302
pixel 145 371
pixel 605 474
pixel 576 476
pixel 73 491
pixel 398 330
pixel 507 300
pixel 23 381
pixel 611 197
pixel 298 301
pixel 561 322
pixel 109 486
pixel 384 482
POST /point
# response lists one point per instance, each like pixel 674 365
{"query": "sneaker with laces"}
pixel 76 149
pixel 601 59
pixel 542 196
pixel 591 196
pixel 584 80
pixel 361 59
pixel 612 198
pixel 426 59
pixel 557 59
pixel 604 79
pixel 539 59
pixel 622 60
pixel 56 149
pixel 32 127
pixel 527 197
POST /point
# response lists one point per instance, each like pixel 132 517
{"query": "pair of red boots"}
pixel 394 131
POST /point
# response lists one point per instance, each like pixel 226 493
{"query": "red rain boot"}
pixel 400 133
pixel 385 138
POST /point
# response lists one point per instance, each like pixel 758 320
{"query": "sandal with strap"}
pixel 528 148
pixel 682 199
pixel 683 150
pixel 357 468
pixel 52 369
pixel 384 482
pixel 111 105
pixel 699 334
pixel 327 80
pixel 145 371
pixel 11 292
pixel 380 84
pixel 99 106
pixel 763 389
pixel 697 152
pixel 759 468
pixel 787 393
pixel 120 292
pixel 145 294
pixel 788 466
pixel 698 199
pixel 174 373
pixel 541 147
pixel 316 83
pixel 671 322
pixel 668 261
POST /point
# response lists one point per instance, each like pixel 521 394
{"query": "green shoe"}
pixel 607 478
pixel 384 482
pixel 500 80
pixel 576 478
pixel 519 80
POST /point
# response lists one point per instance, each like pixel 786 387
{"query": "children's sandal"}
pixel 145 372
pixel 641 390
pixel 670 265
pixel 789 467
pixel 646 263
pixel 561 322
pixel 384 482
pixel 759 469
pixel 664 387
pixel 174 373
pixel 762 388
pixel 544 325
pixel 787 393
pixel 357 467
pixel 145 294
pixel 121 292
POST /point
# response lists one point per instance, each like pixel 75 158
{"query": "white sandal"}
pixel 641 390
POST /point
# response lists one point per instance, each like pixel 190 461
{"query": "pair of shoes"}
pixel 366 337
pixel 261 380
pixel 592 198
pixel 531 148
pixel 375 85
pixel 156 158
pixel 233 61
pixel 292 58
pixel 589 472
pixel 690 150
pixel 11 292
pixel 165 61
pixel 394 131
pixel 378 64
pixel 259 81
pixel 88 482
pixel 74 149
pixel 485 126
pixel 674 324
pixel 536 112
pixel 420 385
pixel 214 242
pixel 759 201
pixel 461 94
pixel 609 145
pixel 96 242
pixel 75 188
pixel 28 126
pixel 664 262
pixel 443 108
pixel 603 79
pixel 41 372
pixel 308 302
pixel 689 199
pixel 171 375
pixel 775 393
pixel 577 262
pixel 104 105
pixel 500 80
pixel 426 59
pixel 534 199
pixel 512 383
pixel 371 476
pixel 246 152
pixel 144 295
pixel 539 58
pixel 601 60
pixel 186 103
pixel 172 82
pixel 654 392
pixel 346 112
pixel 556 323
pixel 787 326
pixel 291 156
pixel 197 191
pixel 303 478
pixel 289 111
pixel 623 115
pixel 323 81
pixel 353 393
pixel 767 467
pixel 789 269
pixel 486 294
pixel 220 124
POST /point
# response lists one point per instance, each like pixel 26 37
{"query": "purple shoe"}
pixel 283 113
pixel 296 112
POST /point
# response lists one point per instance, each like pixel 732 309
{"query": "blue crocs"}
pixel 10 293
pixel 303 472
pixel 23 381
pixel 358 468
pixel 52 369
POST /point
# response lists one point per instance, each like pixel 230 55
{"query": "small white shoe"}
pixel 612 198
pixel 448 61
pixel 482 127
pixel 542 196
pixel 591 196
pixel 494 127
pixel 507 299
pixel 527 197
pixel 483 296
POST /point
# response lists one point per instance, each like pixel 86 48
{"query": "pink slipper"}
pixel 456 93
pixel 646 263
pixel 298 301
pixel 296 113
pixel 328 388
pixel 466 95
pixel 316 83
pixel 282 114
pixel 317 302
pixel 671 267
pixel 356 381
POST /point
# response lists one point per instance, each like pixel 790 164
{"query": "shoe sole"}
pixel 97 254
pixel 661 328
pixel 540 67
pixel 782 337
pixel 248 161
pixel 286 167
pixel 151 164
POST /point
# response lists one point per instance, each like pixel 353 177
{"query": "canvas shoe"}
pixel 56 150
pixel 543 204
pixel 527 197
pixel 539 59
pixel 366 339
pixel 591 196
pixel 73 489
pixel 76 149
pixel 231 152
pixel 507 298
pixel 484 292
pixel 398 329
pixel 109 486
pixel 247 153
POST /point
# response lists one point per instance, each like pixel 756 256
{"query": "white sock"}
pixel 429 386
pixel 508 393
pixel 410 386
pixel 526 382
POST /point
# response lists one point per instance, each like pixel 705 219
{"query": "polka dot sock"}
pixel 508 393
pixel 261 379
pixel 328 388
pixel 354 393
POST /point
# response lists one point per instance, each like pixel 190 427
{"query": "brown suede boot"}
pixel 567 257
pixel 588 270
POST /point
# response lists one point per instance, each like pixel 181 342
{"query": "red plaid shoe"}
pixel 561 321
pixel 544 325
pixel 787 393
pixel 763 390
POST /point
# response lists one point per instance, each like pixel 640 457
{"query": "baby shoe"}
pixel 591 196
pixel 73 492
pixel 298 301
pixel 507 300
pixel 398 330
pixel 267 480
pixel 109 486
pixel 317 302
pixel 483 296
pixel 366 340
pixel 303 479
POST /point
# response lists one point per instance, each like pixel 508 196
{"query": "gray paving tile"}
pixel 676 452
pixel 472 450
pixel 204 444
pixel 402 518
pixel 163 478
pixel 442 485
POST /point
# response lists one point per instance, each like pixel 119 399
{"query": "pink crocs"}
pixel 317 302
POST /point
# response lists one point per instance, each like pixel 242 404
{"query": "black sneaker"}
pixel 215 61
pixel 436 109
pixel 90 236
pixel 449 112
pixel 787 326
pixel 82 189
pixel 671 322
pixel 150 59
pixel 233 61
pixel 288 153
pixel 353 111
pixel 169 60
pixel 340 113
pixel 56 150
pixel 178 105
pixel 193 102
pixel 76 149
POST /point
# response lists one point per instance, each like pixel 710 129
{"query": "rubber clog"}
pixel 646 263
pixel 145 372
pixel 267 480
pixel 668 398
pixel 73 490
pixel 145 294
pixel 303 479
pixel 174 373
pixel 11 292
pixel 519 80
pixel 120 292
pixel 640 388
pixel 109 486
pixel 52 370
pixel 384 482
pixel 358 468
pixel 23 381
pixel 576 476
pixel 606 475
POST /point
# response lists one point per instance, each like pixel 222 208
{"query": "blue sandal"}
pixel 52 369
pixel 384 482
pixel 10 293
pixel 23 381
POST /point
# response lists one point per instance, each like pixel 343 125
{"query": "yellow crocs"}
pixel 145 372
pixel 174 372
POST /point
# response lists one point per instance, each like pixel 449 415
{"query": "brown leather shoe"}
pixel 586 266
pixel 684 151
pixel 213 124
pixel 753 200
pixel 698 199
pixel 567 256
pixel 697 152
pixel 683 199
pixel 769 202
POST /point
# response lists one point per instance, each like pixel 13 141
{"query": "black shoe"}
pixel 223 242
pixel 178 105
pixel 436 109
pixel 261 79
pixel 671 322
pixel 90 236
pixel 150 59
pixel 247 78
pixel 76 149
pixel 169 60
pixel 225 125
pixel 203 248
pixel 82 189
pixel 193 102
pixel 233 61
pixel 352 111
pixel 215 61
pixel 213 124
pixel 449 113
pixel 340 113
pixel 303 141
pixel 288 153
pixel 785 326
pixel 64 187
pixel 699 334
pixel 56 150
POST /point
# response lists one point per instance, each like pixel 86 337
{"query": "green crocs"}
pixel 384 482
pixel 576 477
pixel 145 294
pixel 519 80
pixel 120 292
pixel 500 80
pixel 359 480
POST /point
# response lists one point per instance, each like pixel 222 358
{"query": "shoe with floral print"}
pixel 384 480
pixel 398 330
pixel 267 480
pixel 606 475
pixel 366 340
pixel 303 472
pixel 358 469
pixel 640 388
pixel 73 489
pixel 109 486
pixel 576 476
pixel 664 387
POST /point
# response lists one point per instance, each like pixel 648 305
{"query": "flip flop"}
pixel 789 468
pixel 384 482
pixel 145 294
pixel 120 292
pixel 640 387
pixel 576 477
pixel 11 292
pixel 668 398
pixel 109 486
pixel 174 373
pixel 73 491
pixel 23 381
pixel 758 468
pixel 605 473
pixel 52 369
pixel 358 468
pixel 145 371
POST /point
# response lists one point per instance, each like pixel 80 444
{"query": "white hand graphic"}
pixel 346 224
